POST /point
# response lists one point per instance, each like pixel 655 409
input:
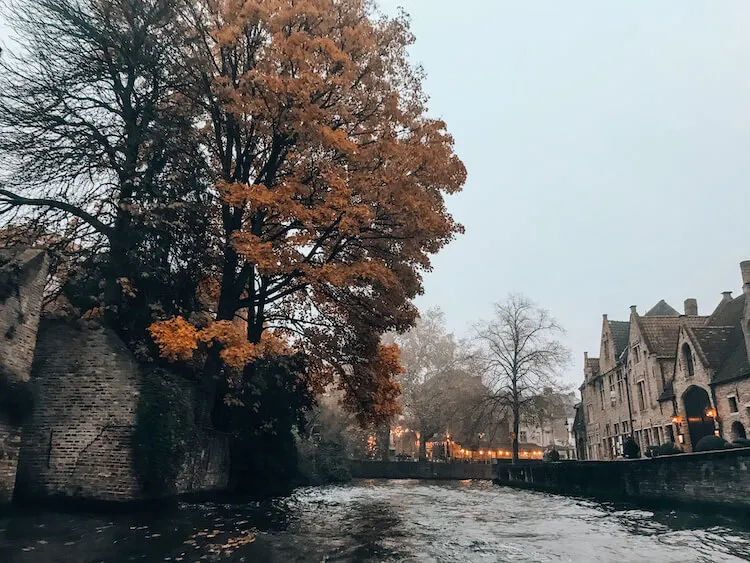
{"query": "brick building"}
pixel 668 377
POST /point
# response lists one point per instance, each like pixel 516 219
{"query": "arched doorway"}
pixel 738 431
pixel 696 404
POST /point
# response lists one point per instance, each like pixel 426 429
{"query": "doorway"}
pixel 696 404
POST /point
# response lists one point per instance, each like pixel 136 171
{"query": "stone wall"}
pixel 719 479
pixel 420 470
pixel 78 442
pixel 23 275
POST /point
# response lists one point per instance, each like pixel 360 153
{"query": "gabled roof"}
pixel 662 309
pixel 620 335
pixel 712 343
pixel 736 364
pixel 661 333
pixel 728 312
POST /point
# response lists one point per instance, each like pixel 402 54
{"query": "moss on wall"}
pixel 165 426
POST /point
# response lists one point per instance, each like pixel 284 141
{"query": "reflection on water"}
pixel 382 521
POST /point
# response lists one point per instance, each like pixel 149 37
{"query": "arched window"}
pixel 688 357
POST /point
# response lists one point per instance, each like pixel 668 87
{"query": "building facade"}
pixel 666 376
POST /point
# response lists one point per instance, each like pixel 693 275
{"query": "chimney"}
pixel 745 269
pixel 727 296
pixel 633 309
pixel 691 307
pixel 585 356
pixel 604 316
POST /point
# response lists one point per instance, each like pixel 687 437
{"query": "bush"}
pixel 711 443
pixel 551 455
pixel 741 443
pixel 668 448
pixel 630 449
pixel 165 426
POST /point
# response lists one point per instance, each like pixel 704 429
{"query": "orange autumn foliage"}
pixel 330 182
pixel 178 340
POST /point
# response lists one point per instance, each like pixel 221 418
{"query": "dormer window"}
pixel 687 355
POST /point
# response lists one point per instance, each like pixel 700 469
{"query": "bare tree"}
pixel 94 141
pixel 521 356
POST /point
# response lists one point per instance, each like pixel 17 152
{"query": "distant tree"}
pixel 521 356
pixel 439 388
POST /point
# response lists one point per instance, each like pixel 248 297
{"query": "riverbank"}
pixel 714 481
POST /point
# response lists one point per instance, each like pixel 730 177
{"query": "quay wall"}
pixel 366 469
pixel 78 441
pixel 708 479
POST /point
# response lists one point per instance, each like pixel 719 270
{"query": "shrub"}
pixel 711 443
pixel 668 448
pixel 551 455
pixel 741 443
pixel 165 426
pixel 630 449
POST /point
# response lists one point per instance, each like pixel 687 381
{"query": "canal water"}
pixel 381 521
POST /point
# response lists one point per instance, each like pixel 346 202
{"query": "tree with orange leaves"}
pixel 329 184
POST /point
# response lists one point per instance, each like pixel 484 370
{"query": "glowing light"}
pixel 676 420
pixel 481 452
pixel 711 413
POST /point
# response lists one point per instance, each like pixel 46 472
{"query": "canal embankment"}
pixel 711 480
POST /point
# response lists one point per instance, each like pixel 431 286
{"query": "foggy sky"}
pixel 607 151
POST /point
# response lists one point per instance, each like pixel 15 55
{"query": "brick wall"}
pixel 78 441
pixel 23 275
pixel 719 479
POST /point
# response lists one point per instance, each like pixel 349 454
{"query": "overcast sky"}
pixel 608 152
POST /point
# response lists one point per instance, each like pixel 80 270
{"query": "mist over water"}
pixel 382 521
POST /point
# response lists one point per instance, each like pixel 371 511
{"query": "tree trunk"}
pixel 515 434
pixel 422 447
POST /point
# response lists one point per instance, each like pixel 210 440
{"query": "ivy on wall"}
pixel 165 426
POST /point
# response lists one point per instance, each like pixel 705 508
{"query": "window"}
pixel 601 392
pixel 617 428
pixel 647 437
pixel 670 433
pixel 612 393
pixel 606 429
pixel 637 354
pixel 657 435
pixel 642 395
pixel 733 404
pixel 522 436
pixel 620 385
pixel 687 357
pixel 589 413
pixel 625 427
